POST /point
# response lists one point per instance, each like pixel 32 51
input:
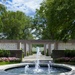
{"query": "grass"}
pixel 5 63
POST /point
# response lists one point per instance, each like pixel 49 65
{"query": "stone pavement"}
pixel 33 58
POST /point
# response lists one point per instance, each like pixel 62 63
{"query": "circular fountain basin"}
pixel 43 69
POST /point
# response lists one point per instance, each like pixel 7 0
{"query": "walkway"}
pixel 33 58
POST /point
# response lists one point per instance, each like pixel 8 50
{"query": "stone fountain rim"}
pixel 23 64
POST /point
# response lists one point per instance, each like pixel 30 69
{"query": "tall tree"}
pixel 2 12
pixel 59 15
pixel 15 25
pixel 39 24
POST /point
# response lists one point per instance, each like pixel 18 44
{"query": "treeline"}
pixel 55 20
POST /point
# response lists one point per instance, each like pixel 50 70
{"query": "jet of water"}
pixel 49 67
pixel 37 66
pixel 26 68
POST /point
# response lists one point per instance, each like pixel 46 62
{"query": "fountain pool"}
pixel 39 68
pixel 55 69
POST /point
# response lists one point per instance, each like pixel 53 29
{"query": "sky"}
pixel 27 6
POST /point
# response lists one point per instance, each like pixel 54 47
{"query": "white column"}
pixel 49 49
pixel 25 49
pixel 44 49
pixel 30 48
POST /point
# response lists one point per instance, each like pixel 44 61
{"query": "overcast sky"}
pixel 27 6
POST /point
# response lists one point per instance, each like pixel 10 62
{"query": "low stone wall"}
pixel 16 53
pixel 11 53
pixel 57 53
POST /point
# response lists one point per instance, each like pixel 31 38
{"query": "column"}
pixel 18 45
pixel 49 49
pixel 25 49
pixel 44 49
pixel 30 48
pixel 56 46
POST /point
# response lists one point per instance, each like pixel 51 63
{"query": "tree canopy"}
pixel 55 20
pixel 15 25
pixel 59 17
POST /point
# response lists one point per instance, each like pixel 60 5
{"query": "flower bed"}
pixel 9 60
pixel 65 60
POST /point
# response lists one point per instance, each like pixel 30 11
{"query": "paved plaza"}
pixel 34 57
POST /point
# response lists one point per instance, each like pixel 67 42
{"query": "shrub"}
pixel 9 59
pixel 72 59
pixel 62 59
pixel 14 59
pixel 47 53
pixel 33 52
pixel 69 53
pixel 4 59
pixel 42 52
pixel 27 53
pixel 4 53
pixel 1 53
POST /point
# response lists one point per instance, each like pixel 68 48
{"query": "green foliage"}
pixel 4 53
pixel 37 45
pixel 58 18
pixel 39 24
pixel 15 25
pixel 9 60
pixel 27 53
pixel 69 53
pixel 72 59
pixel 47 54
pixel 68 58
pixel 42 52
pixel 62 59
pixel 33 52
pixel 2 9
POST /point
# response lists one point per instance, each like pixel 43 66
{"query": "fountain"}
pixel 37 68
pixel 26 68
pixel 48 68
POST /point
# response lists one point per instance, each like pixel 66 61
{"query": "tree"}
pixel 2 13
pixel 39 24
pixel 2 9
pixel 59 15
pixel 62 17
pixel 15 25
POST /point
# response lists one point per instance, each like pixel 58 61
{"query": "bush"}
pixel 72 59
pixel 27 53
pixel 47 53
pixel 1 53
pixel 33 52
pixel 42 52
pixel 10 59
pixel 62 59
pixel 4 53
pixel 69 53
